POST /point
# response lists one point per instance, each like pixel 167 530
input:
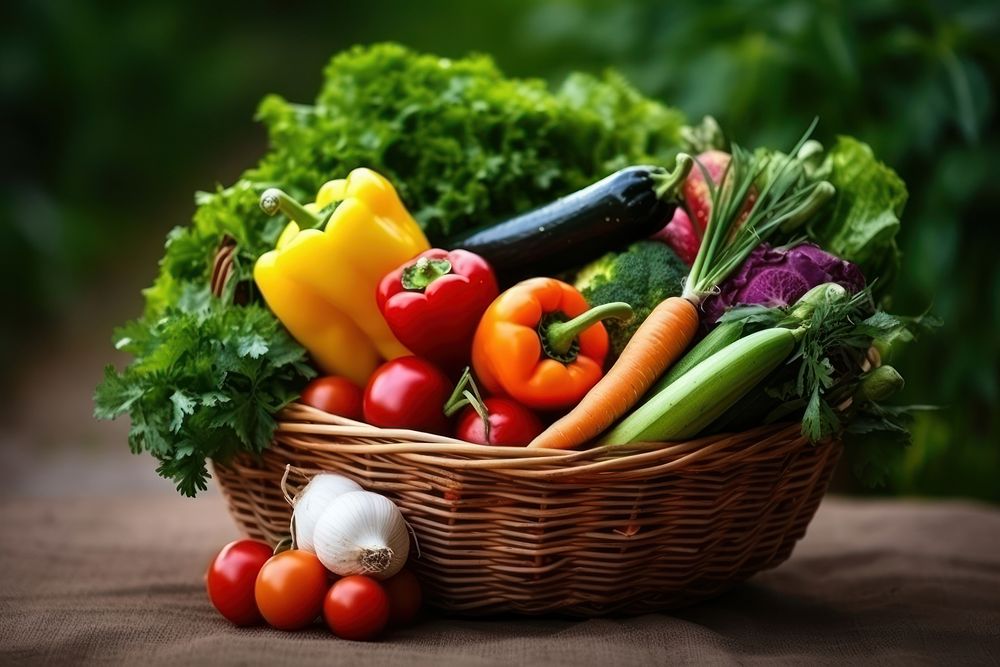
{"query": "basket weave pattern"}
pixel 584 533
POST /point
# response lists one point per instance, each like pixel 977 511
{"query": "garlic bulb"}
pixel 312 501
pixel 362 533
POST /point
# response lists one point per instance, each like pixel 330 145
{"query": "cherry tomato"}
pixel 230 580
pixel 356 607
pixel 511 424
pixel 408 392
pixel 336 395
pixel 290 589
pixel 403 590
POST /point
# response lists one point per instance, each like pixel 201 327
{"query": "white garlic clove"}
pixel 362 533
pixel 313 500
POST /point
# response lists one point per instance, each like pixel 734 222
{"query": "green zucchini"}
pixel 701 395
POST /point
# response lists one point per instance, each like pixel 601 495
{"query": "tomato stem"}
pixel 467 393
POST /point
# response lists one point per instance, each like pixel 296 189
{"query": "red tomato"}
pixel 408 392
pixel 357 608
pixel 403 590
pixel 336 395
pixel 290 589
pixel 230 580
pixel 511 424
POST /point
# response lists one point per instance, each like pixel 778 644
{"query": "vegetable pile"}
pixel 463 144
pixel 345 563
pixel 482 258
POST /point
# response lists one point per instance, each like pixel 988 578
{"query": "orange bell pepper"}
pixel 538 344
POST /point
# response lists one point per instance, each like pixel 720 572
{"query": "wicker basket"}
pixel 607 530
pixel 610 530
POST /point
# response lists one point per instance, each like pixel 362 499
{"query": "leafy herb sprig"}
pixel 823 382
pixel 205 384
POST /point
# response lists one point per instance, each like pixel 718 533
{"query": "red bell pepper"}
pixel 433 304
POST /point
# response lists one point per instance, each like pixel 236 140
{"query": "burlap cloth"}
pixel 120 581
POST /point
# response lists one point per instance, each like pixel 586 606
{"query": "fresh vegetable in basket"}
pixel 831 333
pixel 687 227
pixel 777 277
pixel 206 383
pixel 510 423
pixel 335 395
pixel 320 278
pixel 628 205
pixel 647 354
pixel 687 406
pixel 680 235
pixel 712 166
pixel 862 224
pixel 408 392
pixel 642 275
pixel 433 304
pixel 540 344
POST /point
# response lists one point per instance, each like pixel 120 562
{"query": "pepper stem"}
pixel 667 183
pixel 559 337
pixel 275 201
pixel 423 272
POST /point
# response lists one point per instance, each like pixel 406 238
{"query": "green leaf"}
pixel 114 396
pixel 881 322
pixel 252 346
pixel 812 420
pixel 183 405
pixel 864 221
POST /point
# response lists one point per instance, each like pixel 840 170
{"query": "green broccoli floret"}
pixel 642 275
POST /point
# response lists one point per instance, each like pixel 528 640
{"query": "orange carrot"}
pixel 660 340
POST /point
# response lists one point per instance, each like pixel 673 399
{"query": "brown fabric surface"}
pixel 119 581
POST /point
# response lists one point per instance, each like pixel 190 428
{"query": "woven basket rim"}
pixel 298 424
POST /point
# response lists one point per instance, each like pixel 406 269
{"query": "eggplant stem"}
pixel 667 183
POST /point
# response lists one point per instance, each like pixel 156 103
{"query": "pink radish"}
pixel 679 234
pixel 684 231
pixel 698 199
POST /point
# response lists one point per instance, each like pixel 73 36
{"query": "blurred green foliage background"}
pixel 117 112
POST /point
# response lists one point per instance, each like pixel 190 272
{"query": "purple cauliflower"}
pixel 778 277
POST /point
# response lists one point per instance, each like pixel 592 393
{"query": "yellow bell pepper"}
pixel 320 280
